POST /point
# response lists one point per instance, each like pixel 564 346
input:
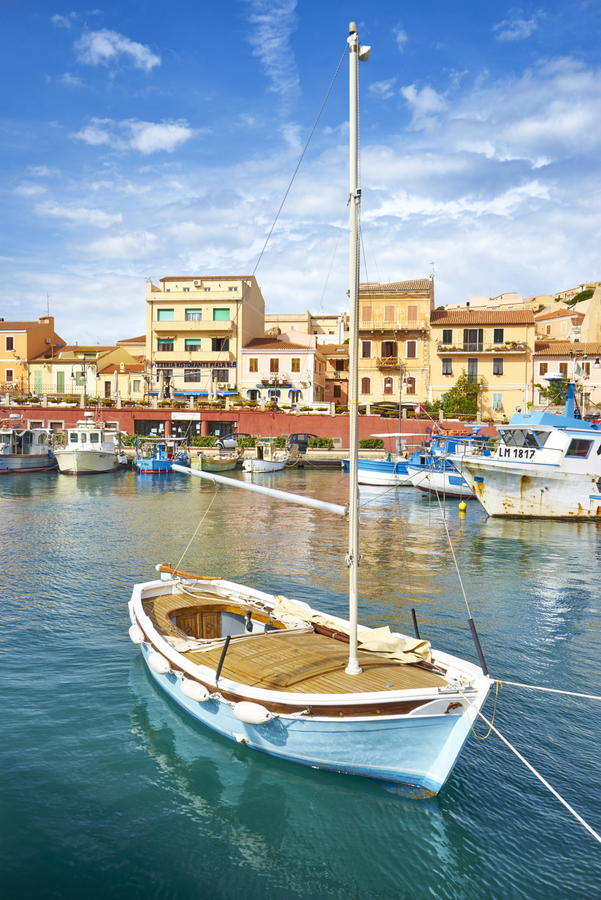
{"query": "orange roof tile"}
pixel 443 316
pixel 270 343
pixel 558 314
pixel 562 348
pixel 374 287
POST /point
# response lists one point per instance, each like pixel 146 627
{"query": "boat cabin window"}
pixel 94 438
pixel 72 437
pixel 520 437
pixel 579 448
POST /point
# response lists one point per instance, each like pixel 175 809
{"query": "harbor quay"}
pixel 169 423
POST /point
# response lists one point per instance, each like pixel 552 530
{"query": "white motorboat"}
pixel 90 448
pixel 546 466
pixel 266 459
pixel 24 449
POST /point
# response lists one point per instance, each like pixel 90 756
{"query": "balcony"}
pixel 388 362
pixel 478 347
pixel 177 326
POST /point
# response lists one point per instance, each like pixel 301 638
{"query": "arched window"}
pixel 388 385
pixel 365 386
pixel 410 383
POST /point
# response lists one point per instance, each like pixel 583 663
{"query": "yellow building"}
pixel 21 342
pixel 88 372
pixel 394 347
pixel 196 328
pixel 559 324
pixel 493 348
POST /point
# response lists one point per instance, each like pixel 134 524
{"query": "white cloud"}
pixel 400 36
pixel 79 215
pixel 69 80
pixel 29 190
pixel 425 104
pixel 105 47
pixel 65 21
pixel 384 90
pixel 132 134
pixel 516 27
pixel 273 23
pixel 42 171
pixel 128 246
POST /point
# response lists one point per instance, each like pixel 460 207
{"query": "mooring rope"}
pixel 543 780
pixel 535 687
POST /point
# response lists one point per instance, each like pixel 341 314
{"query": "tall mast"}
pixel 356 52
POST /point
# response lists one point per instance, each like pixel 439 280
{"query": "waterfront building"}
pixel 394 346
pixel 21 342
pixel 328 329
pixel 559 324
pixel 286 368
pixel 88 373
pixel 196 328
pixel 337 373
pixel 493 348
pixel 135 346
pixel 574 361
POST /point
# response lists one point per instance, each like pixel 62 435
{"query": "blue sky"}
pixel 144 139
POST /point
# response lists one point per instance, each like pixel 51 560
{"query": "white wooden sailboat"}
pixel 295 682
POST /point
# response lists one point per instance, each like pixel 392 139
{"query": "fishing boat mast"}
pixel 356 53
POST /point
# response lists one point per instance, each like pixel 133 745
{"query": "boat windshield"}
pixel 524 437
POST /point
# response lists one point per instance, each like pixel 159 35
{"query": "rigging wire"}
pixel 202 518
pixel 300 159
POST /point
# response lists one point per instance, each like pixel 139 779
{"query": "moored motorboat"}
pixel 546 465
pixel 266 459
pixel 24 449
pixel 222 462
pixel 90 449
pixel 157 458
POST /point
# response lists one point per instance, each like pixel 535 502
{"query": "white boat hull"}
pixel 533 491
pixel 263 465
pixel 86 462
pixel 416 749
pixel 446 483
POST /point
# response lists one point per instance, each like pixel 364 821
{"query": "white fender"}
pixel 194 690
pixel 158 663
pixel 252 713
pixel 136 634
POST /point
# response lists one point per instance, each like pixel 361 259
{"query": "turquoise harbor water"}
pixel 108 790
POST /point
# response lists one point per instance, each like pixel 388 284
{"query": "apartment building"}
pixel 559 324
pixel 88 372
pixel 394 346
pixel 328 329
pixel 286 368
pixel 337 373
pixel 574 361
pixel 493 348
pixel 196 328
pixel 21 342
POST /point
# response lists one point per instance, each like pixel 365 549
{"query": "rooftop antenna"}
pixel 47 304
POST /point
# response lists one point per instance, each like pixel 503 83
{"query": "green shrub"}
pixel 246 442
pixel 203 440
pixel 321 443
pixel 371 444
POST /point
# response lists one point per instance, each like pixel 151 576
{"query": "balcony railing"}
pixel 388 362
pixel 479 347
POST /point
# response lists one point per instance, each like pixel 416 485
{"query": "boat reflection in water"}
pixel 275 824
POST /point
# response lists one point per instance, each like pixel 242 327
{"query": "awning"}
pixel 153 393
pixel 295 391
pixel 190 393
pixel 227 393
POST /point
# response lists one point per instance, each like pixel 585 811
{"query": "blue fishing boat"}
pixel 391 471
pixel 432 471
pixel 158 459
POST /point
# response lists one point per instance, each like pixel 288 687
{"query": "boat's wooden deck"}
pixel 295 662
